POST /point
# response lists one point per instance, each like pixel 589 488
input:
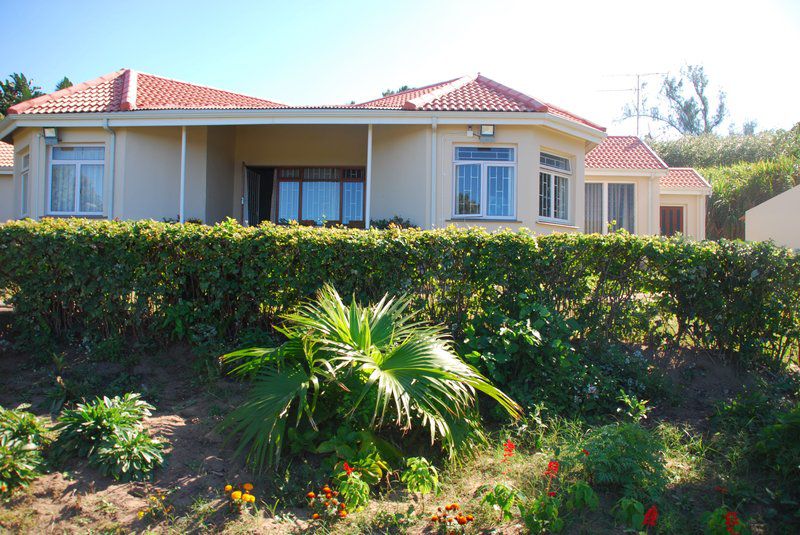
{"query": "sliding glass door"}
pixel 608 203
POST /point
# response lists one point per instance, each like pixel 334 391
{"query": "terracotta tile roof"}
pixel 470 93
pixel 6 155
pixel 623 152
pixel 684 178
pixel 127 90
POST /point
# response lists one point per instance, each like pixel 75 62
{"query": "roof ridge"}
pixel 210 87
pixel 129 91
pixel 657 157
pixel 22 106
pixel 580 118
pixel 535 103
pixel 420 101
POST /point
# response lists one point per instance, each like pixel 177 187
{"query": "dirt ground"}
pixel 199 463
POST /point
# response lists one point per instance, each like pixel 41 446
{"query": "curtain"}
pixel 621 206
pixel 594 208
pixel 352 202
pixel 321 201
pixel 544 195
pixel 561 190
pixel 62 188
pixel 500 190
pixel 468 189
pixel 288 205
pixel 91 197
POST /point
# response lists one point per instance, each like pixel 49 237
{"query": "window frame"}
pixel 339 172
pixel 484 182
pixel 604 198
pixel 24 182
pixel 554 172
pixel 78 163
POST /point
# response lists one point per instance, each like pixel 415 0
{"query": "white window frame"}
pixel 553 172
pixel 24 183
pixel 604 198
pixel 78 164
pixel 485 164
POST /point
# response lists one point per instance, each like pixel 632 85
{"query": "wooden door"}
pixel 671 220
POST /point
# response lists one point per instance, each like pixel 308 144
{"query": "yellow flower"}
pixel 236 494
pixel 228 488
pixel 248 487
pixel 141 514
pixel 246 497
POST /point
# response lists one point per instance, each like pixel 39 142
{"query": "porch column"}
pixel 182 208
pixel 368 203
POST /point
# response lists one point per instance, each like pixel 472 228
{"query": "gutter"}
pixel 112 164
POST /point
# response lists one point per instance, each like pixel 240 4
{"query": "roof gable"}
pixel 683 178
pixel 623 152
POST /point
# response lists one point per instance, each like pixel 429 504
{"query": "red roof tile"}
pixel 128 90
pixel 6 155
pixel 623 152
pixel 683 178
pixel 396 100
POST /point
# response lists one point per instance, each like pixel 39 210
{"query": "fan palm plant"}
pixel 404 367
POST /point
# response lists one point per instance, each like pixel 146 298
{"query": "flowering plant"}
pixel 723 521
pixel 157 507
pixel 451 519
pixel 240 498
pixel 326 505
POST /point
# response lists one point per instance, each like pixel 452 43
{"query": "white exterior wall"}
pixel 7 196
pixel 777 219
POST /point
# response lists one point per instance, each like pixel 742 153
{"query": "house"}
pixel 7 208
pixel 776 219
pixel 467 151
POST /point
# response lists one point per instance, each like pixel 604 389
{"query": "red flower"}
pixel 721 489
pixel 731 521
pixel 650 517
pixel 552 494
pixel 552 469
pixel 348 469
pixel 585 452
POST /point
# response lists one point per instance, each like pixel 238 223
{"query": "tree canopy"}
pixel 15 89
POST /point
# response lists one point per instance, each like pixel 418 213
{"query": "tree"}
pixel 63 84
pixel 685 105
pixel 394 91
pixel 17 89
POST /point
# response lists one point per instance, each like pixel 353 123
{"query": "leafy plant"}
pixel 626 456
pixel 629 512
pixel 18 424
pixel 82 429
pixel 354 491
pixel 407 366
pixel 420 476
pixel 723 521
pixel 128 455
pixel 635 409
pixel 541 515
pixel 501 498
pixel 581 496
pixel 20 463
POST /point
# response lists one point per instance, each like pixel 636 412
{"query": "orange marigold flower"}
pixel 434 518
pixel 236 494
pixel 315 516
pixel 470 518
pixel 248 487
pixel 342 514
pixel 461 520
pixel 228 488
pixel 311 495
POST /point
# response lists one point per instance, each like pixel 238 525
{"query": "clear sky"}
pixel 303 51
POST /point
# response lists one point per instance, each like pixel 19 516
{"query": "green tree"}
pixel 15 89
pixel 395 91
pixel 684 103
pixel 63 84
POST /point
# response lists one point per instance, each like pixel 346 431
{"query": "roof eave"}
pixel 619 171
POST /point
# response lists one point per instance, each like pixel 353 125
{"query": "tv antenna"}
pixel 637 90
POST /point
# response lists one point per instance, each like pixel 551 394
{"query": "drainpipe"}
pixel 112 165
pixel 182 208
pixel 433 172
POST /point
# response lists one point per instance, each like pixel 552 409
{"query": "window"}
pixel 319 195
pixel 607 202
pixel 76 180
pixel 554 187
pixel 24 173
pixel 484 182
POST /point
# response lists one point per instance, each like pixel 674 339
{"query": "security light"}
pixel 487 130
pixel 50 136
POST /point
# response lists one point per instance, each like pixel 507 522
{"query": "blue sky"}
pixel 300 52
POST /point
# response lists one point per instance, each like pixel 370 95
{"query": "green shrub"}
pixel 779 445
pixel 420 476
pixel 20 463
pixel 165 281
pixel 110 433
pixel 18 424
pixel 627 456
pixel 409 369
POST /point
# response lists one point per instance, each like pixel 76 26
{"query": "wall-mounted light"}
pixel 50 135
pixel 487 130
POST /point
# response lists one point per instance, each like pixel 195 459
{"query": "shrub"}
pixel 20 463
pixel 110 433
pixel 18 424
pixel 779 445
pixel 627 456
pixel 409 368
pixel 420 476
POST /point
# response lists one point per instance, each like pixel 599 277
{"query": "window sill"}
pixel 559 224
pixel 74 216
pixel 481 220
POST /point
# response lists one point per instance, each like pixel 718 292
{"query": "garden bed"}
pixel 78 499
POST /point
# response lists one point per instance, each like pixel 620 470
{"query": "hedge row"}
pixel 75 280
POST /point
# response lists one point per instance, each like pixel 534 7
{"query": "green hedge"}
pixel 79 280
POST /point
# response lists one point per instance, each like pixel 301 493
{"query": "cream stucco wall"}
pixel 528 141
pixel 777 219
pixel 220 172
pixel 7 196
pixel 645 219
pixel 694 212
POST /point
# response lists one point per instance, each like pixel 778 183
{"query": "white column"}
pixel 368 204
pixel 433 173
pixel 182 208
